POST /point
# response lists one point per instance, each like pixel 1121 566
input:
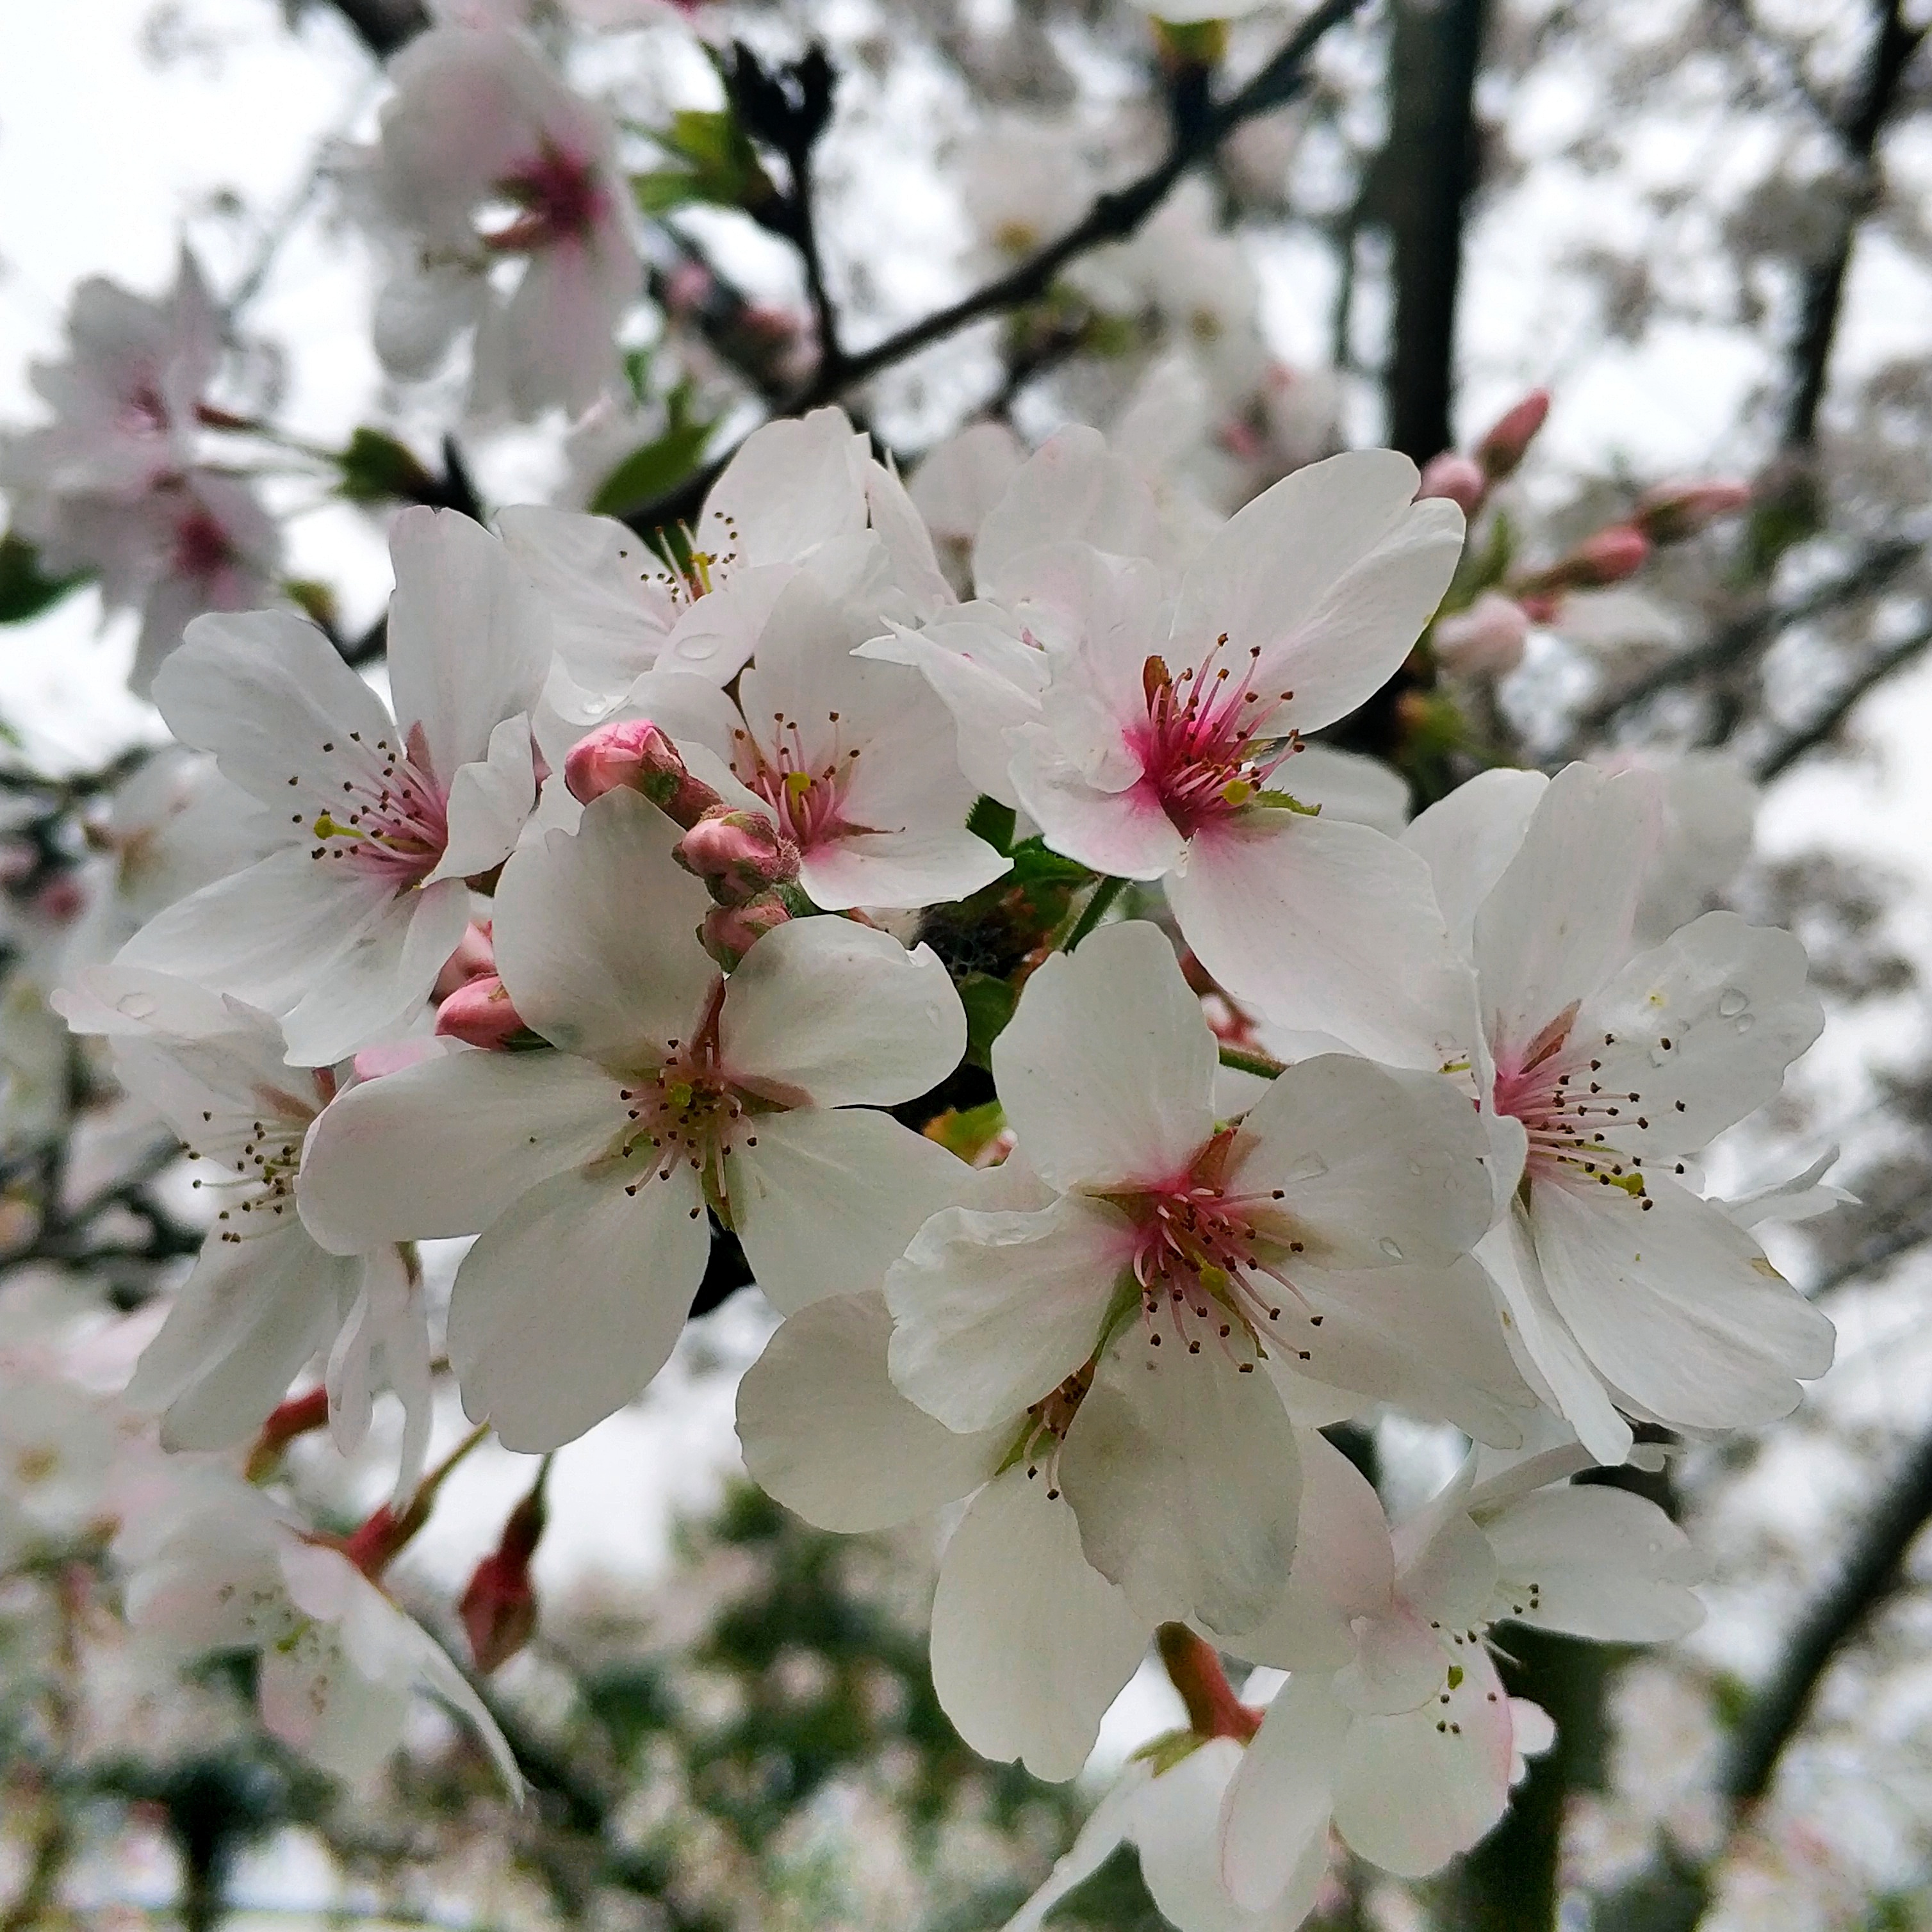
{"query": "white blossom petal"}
pixel 825 1432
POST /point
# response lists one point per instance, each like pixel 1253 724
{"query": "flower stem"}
pixel 1096 909
pixel 1250 1063
pixel 1194 1667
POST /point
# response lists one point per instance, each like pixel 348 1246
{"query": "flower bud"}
pixel 633 753
pixel 479 1013
pixel 730 932
pixel 1614 553
pixel 1487 638
pixel 298 1416
pixel 499 1608
pixel 1459 477
pixel 1672 512
pixel 738 855
pixel 1505 447
pixel 473 958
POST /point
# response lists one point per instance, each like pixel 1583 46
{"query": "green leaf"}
pixel 646 474
pixel 25 591
pixel 992 821
pixel 377 469
pixel 719 166
pixel 989 1004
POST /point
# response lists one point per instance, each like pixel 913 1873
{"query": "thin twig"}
pixel 1114 217
pixel 1795 744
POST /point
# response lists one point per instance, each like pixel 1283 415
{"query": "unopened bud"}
pixel 298 1416
pixel 1672 512
pixel 635 755
pixel 730 932
pixel 480 1013
pixel 1460 478
pixel 1614 553
pixel 473 958
pixel 738 855
pixel 499 1607
pixel 1486 638
pixel 1505 447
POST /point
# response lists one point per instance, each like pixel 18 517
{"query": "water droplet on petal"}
pixel 1743 1023
pixel 1658 1057
pixel 1389 1248
pixel 136 1006
pixel 1415 1168
pixel 1732 1001
pixel 1311 1167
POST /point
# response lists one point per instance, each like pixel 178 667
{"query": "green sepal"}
pixel 1286 801
pixel 718 165
pixel 376 468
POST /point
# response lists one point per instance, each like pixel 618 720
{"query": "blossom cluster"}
pixel 640 914
pixel 950 897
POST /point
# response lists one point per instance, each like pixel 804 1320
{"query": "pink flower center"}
pixel 562 198
pixel 391 820
pixel 807 800
pixel 1576 1123
pixel 1206 749
pixel 202 547
pixel 1207 1269
pixel 143 411
pixel 685 1113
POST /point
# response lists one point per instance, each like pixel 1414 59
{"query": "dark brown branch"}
pixel 1865 111
pixel 1423 183
pixel 1824 726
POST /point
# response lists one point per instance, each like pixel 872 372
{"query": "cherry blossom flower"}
pixel 124 400
pixel 590 1169
pixel 486 156
pixel 340 932
pixel 794 492
pixel 1154 740
pixel 1030 1644
pixel 1170 1813
pixel 1602 1075
pixel 338 1661
pixel 1411 1749
pixel 263 1297
pixel 848 757
pixel 1120 1325
pixel 196 541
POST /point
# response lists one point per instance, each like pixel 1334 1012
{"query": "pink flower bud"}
pixel 473 957
pixel 1486 638
pixel 479 1012
pixel 1505 447
pixel 633 753
pixel 1672 512
pixel 61 899
pixel 1616 552
pixel 738 855
pixel 499 1607
pixel 1460 478
pixel 730 932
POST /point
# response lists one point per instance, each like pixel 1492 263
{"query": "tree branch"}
pixel 1790 749
pixel 1733 643
pixel 1862 121
pixel 383 25
pixel 1114 217
pixel 1672 1895
pixel 1423 182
